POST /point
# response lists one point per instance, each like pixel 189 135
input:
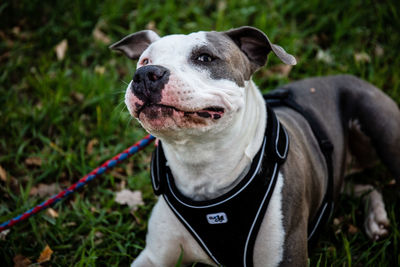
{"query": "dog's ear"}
pixel 134 44
pixel 256 45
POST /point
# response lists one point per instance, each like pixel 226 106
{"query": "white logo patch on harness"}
pixel 217 218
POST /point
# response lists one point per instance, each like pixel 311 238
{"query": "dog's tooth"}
pixel 204 114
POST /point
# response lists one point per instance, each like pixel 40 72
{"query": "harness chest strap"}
pixel 226 227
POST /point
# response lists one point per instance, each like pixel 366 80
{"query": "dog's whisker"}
pixel 124 82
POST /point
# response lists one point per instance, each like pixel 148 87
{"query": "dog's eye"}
pixel 145 61
pixel 205 58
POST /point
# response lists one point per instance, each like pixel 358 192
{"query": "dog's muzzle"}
pixel 148 82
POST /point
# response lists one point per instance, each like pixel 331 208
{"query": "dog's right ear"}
pixel 134 44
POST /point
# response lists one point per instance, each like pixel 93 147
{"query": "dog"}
pixel 195 94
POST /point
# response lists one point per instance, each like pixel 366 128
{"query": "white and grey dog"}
pixel 194 93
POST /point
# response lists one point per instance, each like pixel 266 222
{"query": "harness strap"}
pixel 284 97
pixel 226 227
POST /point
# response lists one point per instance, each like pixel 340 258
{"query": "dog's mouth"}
pixel 154 111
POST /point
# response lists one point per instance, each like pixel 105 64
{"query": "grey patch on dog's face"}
pixel 228 61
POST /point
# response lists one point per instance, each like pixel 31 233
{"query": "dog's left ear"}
pixel 134 44
pixel 256 45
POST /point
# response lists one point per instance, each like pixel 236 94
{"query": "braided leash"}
pixel 111 163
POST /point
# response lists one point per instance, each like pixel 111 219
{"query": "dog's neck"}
pixel 205 170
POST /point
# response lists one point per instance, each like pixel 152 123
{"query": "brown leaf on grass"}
pixel 151 26
pixel 324 56
pixel 33 161
pixel 45 255
pixel 98 238
pixel 100 36
pixel 121 185
pixel 352 229
pixel 379 51
pixel 90 145
pixel 117 174
pixel 362 57
pixel 21 261
pixel 129 168
pixel 16 30
pixel 44 190
pixel 131 198
pixel 52 213
pixel 99 69
pixel 78 97
pixel 4 233
pixel 3 174
pixel 69 224
pixel 280 70
pixel 61 49
pixel 93 209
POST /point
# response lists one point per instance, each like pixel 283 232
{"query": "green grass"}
pixel 53 109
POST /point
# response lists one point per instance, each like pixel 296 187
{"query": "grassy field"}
pixel 61 115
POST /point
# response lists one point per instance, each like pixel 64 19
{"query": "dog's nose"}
pixel 148 82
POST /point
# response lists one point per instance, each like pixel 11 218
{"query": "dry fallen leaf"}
pixel 61 49
pixel 336 221
pixel 33 161
pixel 98 238
pixel 151 26
pixel 78 97
pixel 4 233
pixel 121 185
pixel 324 56
pixel 44 190
pixel 45 255
pixel 3 174
pixel 280 70
pixel 132 199
pixel 362 57
pixel 21 261
pixel 16 30
pixel 352 229
pixel 52 213
pixel 379 51
pixel 90 145
pixel 99 69
pixel 129 168
pixel 93 209
pixel 98 35
pixel 117 174
pixel 69 224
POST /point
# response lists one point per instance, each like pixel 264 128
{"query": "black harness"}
pixel 226 227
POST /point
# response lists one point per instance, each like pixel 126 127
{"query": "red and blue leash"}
pixel 109 164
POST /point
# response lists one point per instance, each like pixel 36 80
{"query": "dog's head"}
pixel 191 84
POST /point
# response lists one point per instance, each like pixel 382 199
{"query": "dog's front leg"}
pixel 166 239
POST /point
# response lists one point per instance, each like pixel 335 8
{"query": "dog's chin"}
pixel 160 118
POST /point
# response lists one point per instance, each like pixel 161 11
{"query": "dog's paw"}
pixel 376 222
